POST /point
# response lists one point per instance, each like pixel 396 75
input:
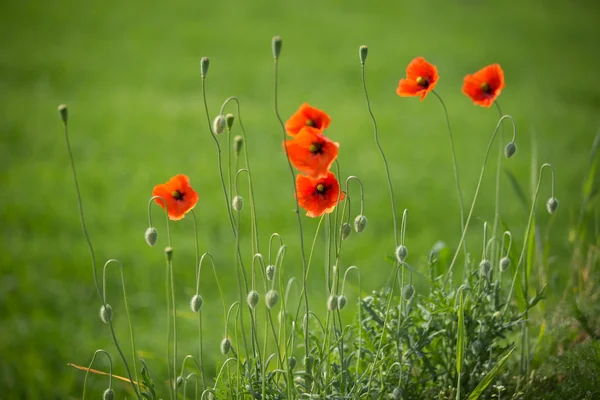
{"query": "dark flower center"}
pixel 177 195
pixel 321 189
pixel 310 122
pixel 423 82
pixel 316 148
pixel 486 88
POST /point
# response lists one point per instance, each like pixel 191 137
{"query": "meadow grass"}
pixel 130 74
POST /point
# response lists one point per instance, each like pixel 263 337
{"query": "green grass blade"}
pixel 489 377
pixel 460 345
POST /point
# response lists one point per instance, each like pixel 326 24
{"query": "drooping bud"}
pixel 64 113
pixel 108 394
pixel 106 313
pixel 360 223
pixel 276 46
pixel 504 263
pixel 346 229
pixel 204 64
pixel 510 149
pixel 552 205
pixel 342 302
pixel 178 382
pixel 219 124
pixel 485 267
pixel 292 362
pixel 238 142
pixel 225 346
pixel 169 253
pixel 252 299
pixel 151 235
pixel 196 303
pixel 408 291
pixel 332 303
pixel 308 363
pixel 363 51
pixel 397 394
pixel 401 253
pixel 237 203
pixel 229 118
pixel 271 299
pixel 270 272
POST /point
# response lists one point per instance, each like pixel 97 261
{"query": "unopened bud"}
pixel 408 291
pixel 178 382
pixel 360 223
pixel 64 113
pixel 229 118
pixel 504 263
pixel 397 394
pixel 270 272
pixel 485 267
pixel 219 124
pixel 346 229
pixel 252 299
pixel 225 346
pixel 271 299
pixel 151 235
pixel 108 394
pixel 169 253
pixel 237 203
pixel 276 46
pixel 332 303
pixel 292 362
pixel 196 303
pixel 342 302
pixel 106 313
pixel 204 64
pixel 401 253
pixel 510 149
pixel 238 142
pixel 308 363
pixel 362 53
pixel 552 205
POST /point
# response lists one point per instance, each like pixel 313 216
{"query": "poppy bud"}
pixel 360 223
pixel 308 363
pixel 504 263
pixel 64 113
pixel 270 272
pixel 271 299
pixel 151 235
pixel 292 362
pixel 401 253
pixel 252 299
pixel 219 124
pixel 229 118
pixel 196 303
pixel 108 394
pixel 225 346
pixel 106 313
pixel 332 302
pixel 276 46
pixel 342 302
pixel 552 205
pixel 346 229
pixel 510 149
pixel 169 253
pixel 238 142
pixel 204 64
pixel 237 203
pixel 497 314
pixel 408 291
pixel 485 267
pixel 362 53
pixel 178 382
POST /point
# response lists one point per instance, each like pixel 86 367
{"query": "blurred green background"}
pixel 130 74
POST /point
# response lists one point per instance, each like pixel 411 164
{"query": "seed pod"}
pixel 151 235
pixel 342 302
pixel 401 253
pixel 219 124
pixel 360 223
pixel 346 229
pixel 225 346
pixel 252 299
pixel 108 394
pixel 270 272
pixel 552 205
pixel 510 149
pixel 106 313
pixel 271 299
pixel 408 291
pixel 332 302
pixel 504 263
pixel 196 303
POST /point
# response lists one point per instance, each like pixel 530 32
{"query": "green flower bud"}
pixel 252 299
pixel 237 203
pixel 346 229
pixel 401 253
pixel 229 118
pixel 225 346
pixel 196 303
pixel 151 235
pixel 485 267
pixel 270 272
pixel 238 142
pixel 292 363
pixel 276 46
pixel 178 382
pixel 510 149
pixel 169 253
pixel 363 51
pixel 271 299
pixel 360 223
pixel 219 124
pixel 332 302
pixel 504 263
pixel 64 113
pixel 408 291
pixel 552 205
pixel 108 394
pixel 204 64
pixel 106 313
pixel 342 302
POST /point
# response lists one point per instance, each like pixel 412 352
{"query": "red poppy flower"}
pixel 307 116
pixel 178 194
pixel 485 85
pixel 318 196
pixel 421 78
pixel 312 153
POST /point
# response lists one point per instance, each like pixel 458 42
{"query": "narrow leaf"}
pixel 489 377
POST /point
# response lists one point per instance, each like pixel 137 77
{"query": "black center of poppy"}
pixel 423 82
pixel 321 189
pixel 177 195
pixel 485 87
pixel 310 122
pixel 316 148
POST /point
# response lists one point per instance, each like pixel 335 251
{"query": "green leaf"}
pixel 460 342
pixel 489 377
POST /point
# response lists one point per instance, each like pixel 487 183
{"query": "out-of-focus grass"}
pixel 130 74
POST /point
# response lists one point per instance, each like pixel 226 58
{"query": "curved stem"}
pixel 90 367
